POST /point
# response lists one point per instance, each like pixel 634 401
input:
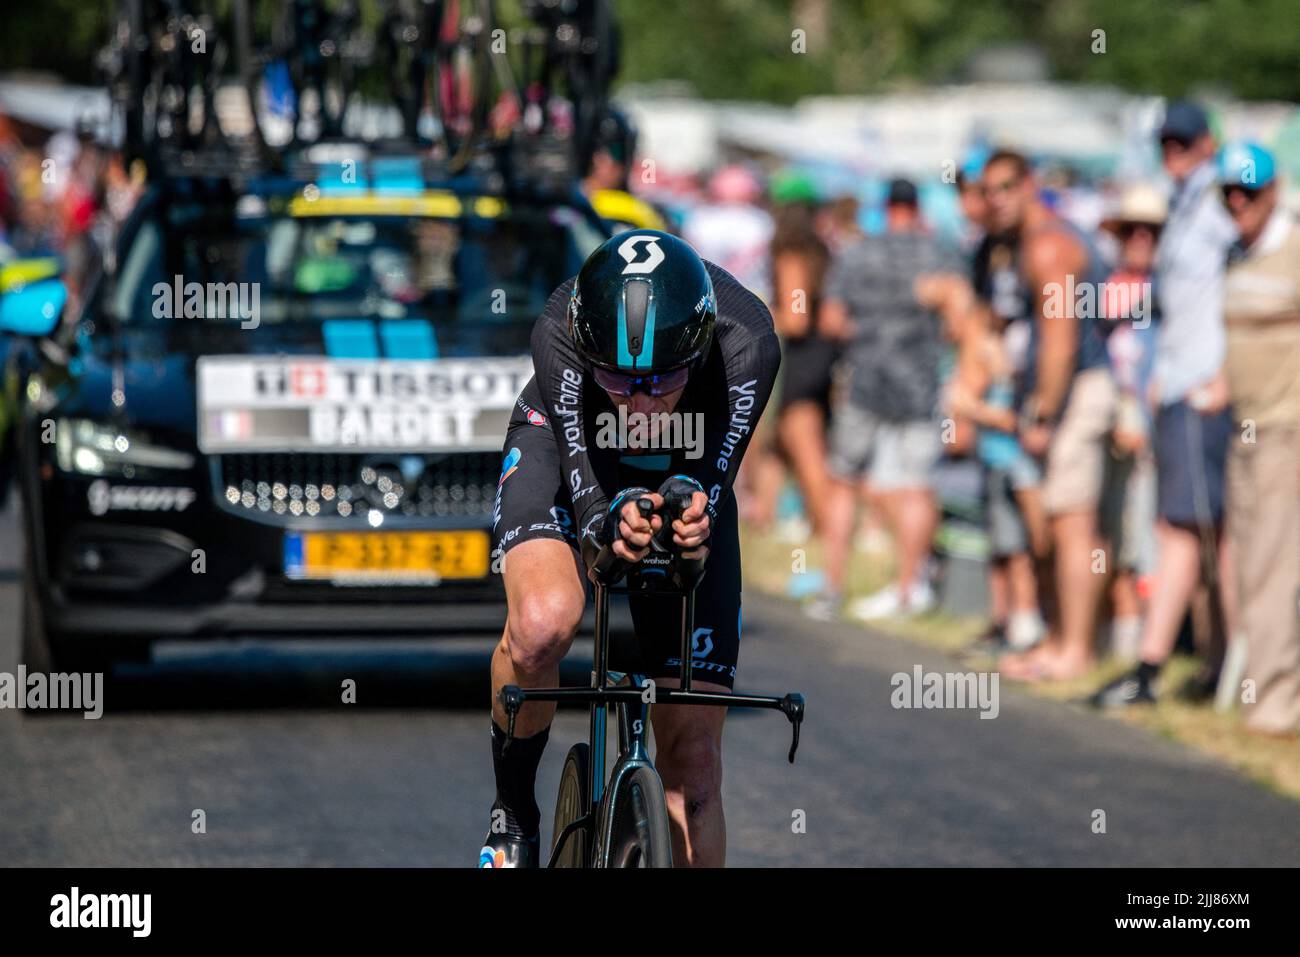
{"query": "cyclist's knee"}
pixel 541 628
pixel 692 764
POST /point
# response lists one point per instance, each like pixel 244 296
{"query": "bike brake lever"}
pixel 792 706
pixel 512 699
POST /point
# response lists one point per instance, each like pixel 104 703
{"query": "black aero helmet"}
pixel 643 303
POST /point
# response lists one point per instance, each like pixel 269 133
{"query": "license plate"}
pixel 382 557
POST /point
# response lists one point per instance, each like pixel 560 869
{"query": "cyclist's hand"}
pixel 692 529
pixel 632 541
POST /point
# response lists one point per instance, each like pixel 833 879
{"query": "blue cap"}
pixel 973 163
pixel 1246 164
pixel 1184 120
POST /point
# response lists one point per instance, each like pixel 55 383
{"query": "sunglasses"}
pixel 1166 142
pixel 1250 194
pixel 619 384
pixel 1129 230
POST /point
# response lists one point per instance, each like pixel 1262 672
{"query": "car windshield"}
pixel 195 263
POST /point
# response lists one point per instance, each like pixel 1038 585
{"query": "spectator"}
pixel 731 230
pixel 799 263
pixel 1262 316
pixel 837 221
pixel 1128 497
pixel 884 429
pixel 1193 424
pixel 984 392
pixel 970 198
pixel 1068 405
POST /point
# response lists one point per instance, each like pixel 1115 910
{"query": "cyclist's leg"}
pixel 688 738
pixel 688 756
pixel 536 546
pixel 544 602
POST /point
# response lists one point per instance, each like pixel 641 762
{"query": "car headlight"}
pixel 92 448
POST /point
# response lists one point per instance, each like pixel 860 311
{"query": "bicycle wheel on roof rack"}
pixel 459 77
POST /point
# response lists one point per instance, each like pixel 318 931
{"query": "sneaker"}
pixel 1202 687
pixel 1024 630
pixel 992 642
pixel 825 607
pixel 1124 692
pixel 888 603
pixel 921 598
pixel 508 850
pixel 802 585
pixel 885 603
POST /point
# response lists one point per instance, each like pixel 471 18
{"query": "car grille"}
pixel 349 486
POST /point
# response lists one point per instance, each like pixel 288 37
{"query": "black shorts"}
pixel 806 371
pixel 1191 458
pixel 533 502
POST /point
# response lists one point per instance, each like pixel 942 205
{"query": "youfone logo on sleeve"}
pixel 628 249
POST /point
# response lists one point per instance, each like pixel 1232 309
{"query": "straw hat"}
pixel 1138 203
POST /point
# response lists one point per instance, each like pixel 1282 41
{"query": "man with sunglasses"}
pixel 649 327
pixel 1262 317
pixel 1193 426
pixel 1066 401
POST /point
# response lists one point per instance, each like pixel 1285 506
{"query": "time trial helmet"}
pixel 643 303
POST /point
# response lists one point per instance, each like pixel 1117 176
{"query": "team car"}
pixel 280 412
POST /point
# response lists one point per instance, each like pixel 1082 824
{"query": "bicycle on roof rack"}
pixel 620 818
pixel 455 77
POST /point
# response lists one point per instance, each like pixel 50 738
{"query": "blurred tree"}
pixel 747 49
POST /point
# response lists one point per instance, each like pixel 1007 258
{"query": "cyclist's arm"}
pixel 561 376
pixel 751 355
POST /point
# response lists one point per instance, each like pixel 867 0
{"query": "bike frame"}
pixel 625 693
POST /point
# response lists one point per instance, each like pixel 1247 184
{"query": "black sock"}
pixel 1146 671
pixel 516 774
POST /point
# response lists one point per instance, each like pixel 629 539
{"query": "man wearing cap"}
pixel 1190 391
pixel 1262 316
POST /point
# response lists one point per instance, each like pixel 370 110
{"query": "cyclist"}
pixel 645 327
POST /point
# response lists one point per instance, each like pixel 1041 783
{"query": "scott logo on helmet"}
pixel 628 250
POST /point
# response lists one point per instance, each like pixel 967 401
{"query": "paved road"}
pixel 253 735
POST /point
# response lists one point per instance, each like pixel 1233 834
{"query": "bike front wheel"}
pixel 639 835
pixel 572 804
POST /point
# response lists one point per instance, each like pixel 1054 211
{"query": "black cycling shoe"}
pixel 509 850
pixel 502 850
pixel 1124 692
